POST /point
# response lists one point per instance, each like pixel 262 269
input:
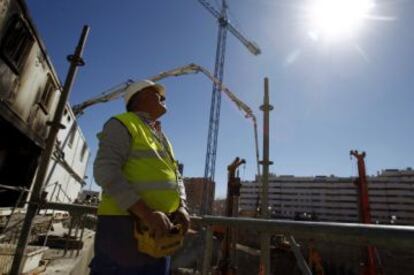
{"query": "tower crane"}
pixel 213 128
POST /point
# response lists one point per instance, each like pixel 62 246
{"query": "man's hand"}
pixel 159 224
pixel 182 217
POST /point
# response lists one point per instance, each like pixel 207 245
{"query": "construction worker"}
pixel 136 169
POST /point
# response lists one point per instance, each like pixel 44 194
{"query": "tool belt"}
pixel 158 247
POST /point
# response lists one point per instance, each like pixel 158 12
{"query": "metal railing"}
pixel 79 214
pixel 21 191
pixel 80 217
pixel 390 236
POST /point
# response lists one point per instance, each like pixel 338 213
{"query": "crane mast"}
pixel 214 121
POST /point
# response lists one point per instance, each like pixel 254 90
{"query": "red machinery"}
pixel 364 210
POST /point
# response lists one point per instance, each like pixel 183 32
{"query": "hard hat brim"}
pixel 137 87
pixel 160 88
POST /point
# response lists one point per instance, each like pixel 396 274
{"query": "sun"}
pixel 337 19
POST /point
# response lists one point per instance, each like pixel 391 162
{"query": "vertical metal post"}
pixel 300 260
pixel 235 231
pixel 256 144
pixel 75 239
pixel 82 224
pixel 68 236
pixel 208 249
pixel 58 193
pixel 53 214
pixel 54 190
pixel 19 199
pixel 265 238
pixel 35 200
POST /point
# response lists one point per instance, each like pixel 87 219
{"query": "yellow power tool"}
pixel 158 247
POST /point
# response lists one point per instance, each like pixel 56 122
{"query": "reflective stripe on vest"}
pixel 147 186
pixel 150 169
pixel 139 154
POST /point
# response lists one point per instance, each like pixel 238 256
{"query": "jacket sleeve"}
pixel 114 144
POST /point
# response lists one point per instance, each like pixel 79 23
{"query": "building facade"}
pixel 29 94
pixel 330 198
pixel 67 168
pixel 194 189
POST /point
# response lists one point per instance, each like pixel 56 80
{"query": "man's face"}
pixel 152 102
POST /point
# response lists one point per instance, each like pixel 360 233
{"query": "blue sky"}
pixel 329 97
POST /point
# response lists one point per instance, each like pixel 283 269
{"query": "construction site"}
pixel 286 216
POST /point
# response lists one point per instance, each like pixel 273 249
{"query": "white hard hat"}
pixel 138 86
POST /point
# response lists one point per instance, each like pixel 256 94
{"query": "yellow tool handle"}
pixel 158 247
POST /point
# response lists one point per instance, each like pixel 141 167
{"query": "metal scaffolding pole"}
pixel 265 238
pixel 357 234
pixel 208 248
pixel 55 125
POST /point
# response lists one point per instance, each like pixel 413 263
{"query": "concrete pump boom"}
pixel 119 90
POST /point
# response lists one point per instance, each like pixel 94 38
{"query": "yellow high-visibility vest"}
pixel 151 169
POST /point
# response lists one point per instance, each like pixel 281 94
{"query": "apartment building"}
pixel 194 188
pixel 331 198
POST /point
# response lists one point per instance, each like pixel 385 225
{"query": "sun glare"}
pixel 337 19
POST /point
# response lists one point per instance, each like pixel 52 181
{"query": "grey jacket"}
pixel 113 151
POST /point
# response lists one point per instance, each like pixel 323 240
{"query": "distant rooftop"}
pixel 397 173
pixel 407 172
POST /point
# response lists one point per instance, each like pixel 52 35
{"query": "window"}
pixel 83 152
pixel 16 44
pixel 47 94
pixel 72 135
